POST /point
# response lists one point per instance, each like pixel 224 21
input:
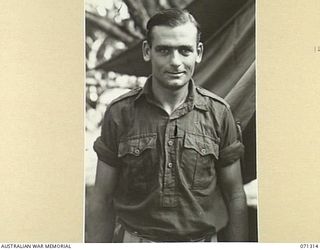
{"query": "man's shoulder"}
pixel 212 96
pixel 124 98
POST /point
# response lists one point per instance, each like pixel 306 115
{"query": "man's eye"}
pixel 163 51
pixel 185 52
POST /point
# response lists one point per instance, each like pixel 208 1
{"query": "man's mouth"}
pixel 175 73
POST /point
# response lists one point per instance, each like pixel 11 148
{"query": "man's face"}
pixel 173 54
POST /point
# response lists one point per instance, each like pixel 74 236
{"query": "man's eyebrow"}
pixel 163 47
pixel 186 47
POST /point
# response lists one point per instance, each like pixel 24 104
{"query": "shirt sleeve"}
pixel 106 144
pixel 231 149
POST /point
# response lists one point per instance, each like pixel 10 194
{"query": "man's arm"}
pixel 230 182
pixel 251 193
pixel 101 225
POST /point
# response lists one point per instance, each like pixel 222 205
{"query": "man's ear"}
pixel 146 51
pixel 199 52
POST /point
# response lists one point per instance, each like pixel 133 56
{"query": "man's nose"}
pixel 175 59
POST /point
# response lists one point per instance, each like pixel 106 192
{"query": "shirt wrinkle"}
pixel 168 179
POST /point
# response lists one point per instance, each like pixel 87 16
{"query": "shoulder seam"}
pixel 212 95
pixel 130 93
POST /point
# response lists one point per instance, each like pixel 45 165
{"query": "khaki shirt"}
pixel 167 190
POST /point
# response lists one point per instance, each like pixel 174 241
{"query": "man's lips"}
pixel 175 73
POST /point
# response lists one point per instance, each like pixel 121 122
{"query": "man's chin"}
pixel 173 84
pixel 177 83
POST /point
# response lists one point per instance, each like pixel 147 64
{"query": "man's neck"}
pixel 170 99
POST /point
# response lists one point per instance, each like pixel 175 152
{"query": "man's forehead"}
pixel 186 27
pixel 185 32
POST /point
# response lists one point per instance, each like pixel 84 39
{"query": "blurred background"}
pixel 114 30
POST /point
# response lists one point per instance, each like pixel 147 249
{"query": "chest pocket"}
pixel 138 157
pixel 198 157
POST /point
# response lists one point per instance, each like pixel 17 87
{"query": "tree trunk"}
pixel 152 7
pixel 180 4
pixel 138 13
pixel 111 28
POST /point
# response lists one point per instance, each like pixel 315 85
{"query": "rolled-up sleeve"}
pixel 106 144
pixel 231 149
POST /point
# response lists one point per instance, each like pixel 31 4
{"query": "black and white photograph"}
pixel 170 121
pixel 159 121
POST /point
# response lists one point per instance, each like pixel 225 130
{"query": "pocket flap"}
pixel 136 145
pixel 204 145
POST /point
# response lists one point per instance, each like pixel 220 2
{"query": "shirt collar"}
pixel 198 100
pixel 146 90
pixel 193 98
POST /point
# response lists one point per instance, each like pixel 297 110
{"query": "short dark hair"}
pixel 171 18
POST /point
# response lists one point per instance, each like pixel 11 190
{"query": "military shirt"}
pixel 167 188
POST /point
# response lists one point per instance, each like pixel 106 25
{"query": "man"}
pixel 168 166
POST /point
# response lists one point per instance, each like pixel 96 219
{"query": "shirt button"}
pixel 203 151
pixel 137 151
pixel 170 143
pixel 170 165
